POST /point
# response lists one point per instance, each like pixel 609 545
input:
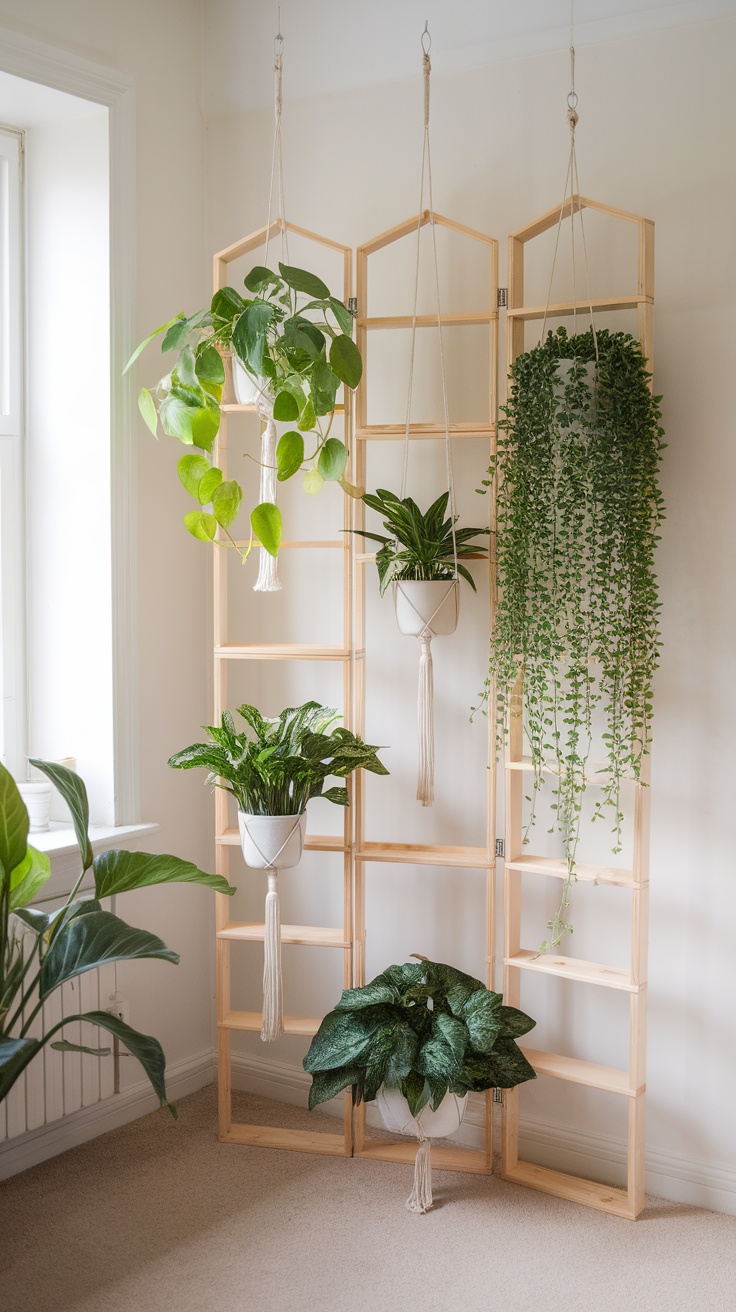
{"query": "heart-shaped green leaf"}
pixel 313 482
pixel 289 455
pixel 226 501
pixel 207 484
pixel 260 278
pixel 267 526
pixel 345 360
pixel 285 407
pixel 28 878
pixel 307 419
pixel 13 825
pixel 332 457
pixel 201 525
pixel 302 281
pixel 191 470
pixel 147 407
pixel 343 315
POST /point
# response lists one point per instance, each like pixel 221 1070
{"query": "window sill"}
pixel 60 844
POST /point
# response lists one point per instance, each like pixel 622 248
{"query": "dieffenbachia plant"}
pixel 286 761
pixel 423 1028
pixel 579 508
pixel 41 950
pixel 295 341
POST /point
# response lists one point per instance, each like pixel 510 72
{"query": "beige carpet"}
pixel 158 1216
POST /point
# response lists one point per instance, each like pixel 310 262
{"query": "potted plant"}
pixel 579 509
pixel 418 1039
pixel 421 557
pixel 272 776
pixel 292 348
pixel 40 950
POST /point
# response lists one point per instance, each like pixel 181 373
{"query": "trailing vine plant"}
pixel 578 512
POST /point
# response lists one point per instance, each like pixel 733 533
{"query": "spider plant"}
pixel 286 761
pixel 418 547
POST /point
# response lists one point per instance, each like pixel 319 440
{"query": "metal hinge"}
pixel 503 298
pixel 498 1095
pixel 500 847
pixel 353 304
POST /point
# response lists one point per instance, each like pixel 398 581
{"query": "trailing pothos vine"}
pixel 578 512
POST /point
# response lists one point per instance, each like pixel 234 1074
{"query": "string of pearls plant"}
pixel 579 508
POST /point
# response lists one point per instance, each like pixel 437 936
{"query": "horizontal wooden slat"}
pixel 472 1160
pixel 581 1072
pixel 280 652
pixel 584 972
pixel 605 1198
pixel 556 869
pixel 577 307
pixel 315 936
pixel 251 1021
pixel 312 842
pixel 419 432
pixel 297 1141
pixel 429 320
pixel 416 854
pixel 598 772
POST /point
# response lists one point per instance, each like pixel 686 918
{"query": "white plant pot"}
pixel 247 388
pixel 272 841
pixel 431 607
pixel 37 798
pixel 398 1119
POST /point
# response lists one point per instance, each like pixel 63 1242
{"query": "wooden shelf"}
pixel 473 1160
pixel 581 1072
pixel 603 1197
pixel 481 318
pixel 597 777
pixel 299 1141
pixel 251 1021
pixel 397 432
pixel 312 843
pixel 589 874
pixel 577 307
pixel 584 972
pixel 281 652
pixel 415 854
pixel 315 936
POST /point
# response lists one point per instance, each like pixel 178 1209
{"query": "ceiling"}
pixel 332 45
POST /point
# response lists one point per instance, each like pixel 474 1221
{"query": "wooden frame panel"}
pixel 231 934
pixel 476 1161
pixel 631 1084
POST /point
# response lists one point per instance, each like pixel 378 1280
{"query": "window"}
pixel 12 555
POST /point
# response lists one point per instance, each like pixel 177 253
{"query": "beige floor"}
pixel 159 1216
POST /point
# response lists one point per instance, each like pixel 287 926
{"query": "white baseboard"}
pixel 36 1146
pixel 599 1157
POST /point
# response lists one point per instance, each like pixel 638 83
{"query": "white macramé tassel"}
pixel 425 781
pixel 268 576
pixel 420 1198
pixel 272 1021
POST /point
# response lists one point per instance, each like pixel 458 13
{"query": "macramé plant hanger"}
pixel 428 609
pixel 576 631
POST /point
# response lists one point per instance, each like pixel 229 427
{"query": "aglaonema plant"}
pixel 42 950
pixel 294 339
pixel 418 546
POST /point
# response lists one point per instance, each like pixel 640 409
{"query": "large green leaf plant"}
pixel 285 762
pixel 295 341
pixel 41 950
pixel 424 1028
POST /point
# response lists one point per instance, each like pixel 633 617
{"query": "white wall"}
pixel 158 46
pixel 657 114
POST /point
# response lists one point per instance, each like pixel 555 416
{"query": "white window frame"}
pixel 12 499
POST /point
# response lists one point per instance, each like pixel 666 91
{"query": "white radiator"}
pixel 57 1084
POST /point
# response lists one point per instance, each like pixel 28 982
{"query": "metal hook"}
pixel 426 33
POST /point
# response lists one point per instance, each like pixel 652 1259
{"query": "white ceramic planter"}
pixel 431 607
pixel 398 1119
pixel 272 841
pixel 37 798
pixel 247 389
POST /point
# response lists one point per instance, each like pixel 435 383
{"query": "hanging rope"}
pixel 571 197
pixel 272 1015
pixel 268 574
pixel 425 708
pixel 420 1198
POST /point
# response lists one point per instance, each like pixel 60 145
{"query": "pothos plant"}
pixel 423 1028
pixel 294 339
pixel 41 950
pixel 578 508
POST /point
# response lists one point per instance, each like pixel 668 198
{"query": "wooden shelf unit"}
pixel 228 932
pixel 631 1084
pixel 476 1161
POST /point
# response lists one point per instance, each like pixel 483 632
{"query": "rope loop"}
pixel 426 36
